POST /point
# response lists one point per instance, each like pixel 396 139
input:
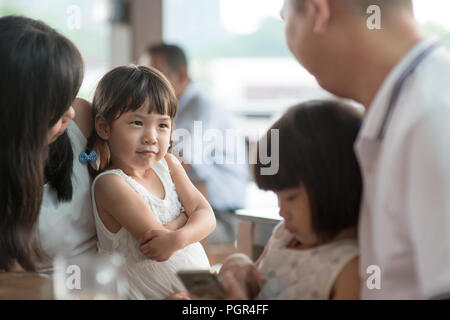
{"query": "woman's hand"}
pixel 160 244
pixel 245 272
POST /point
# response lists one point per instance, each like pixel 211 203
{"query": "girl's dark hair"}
pixel 316 151
pixel 123 89
pixel 40 74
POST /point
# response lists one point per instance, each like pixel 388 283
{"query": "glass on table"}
pixel 92 277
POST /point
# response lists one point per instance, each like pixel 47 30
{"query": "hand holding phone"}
pixel 204 284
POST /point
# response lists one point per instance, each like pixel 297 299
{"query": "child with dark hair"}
pixel 141 192
pixel 313 253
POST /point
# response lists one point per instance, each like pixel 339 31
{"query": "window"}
pixel 83 21
pixel 238 50
pixel 433 15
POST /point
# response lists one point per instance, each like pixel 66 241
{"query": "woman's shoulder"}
pixel 83 116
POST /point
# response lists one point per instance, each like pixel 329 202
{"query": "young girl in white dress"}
pixel 141 192
pixel 313 253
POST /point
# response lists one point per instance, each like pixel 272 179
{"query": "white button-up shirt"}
pixel 404 226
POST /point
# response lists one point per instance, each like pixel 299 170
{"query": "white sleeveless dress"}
pixel 150 279
pixel 302 274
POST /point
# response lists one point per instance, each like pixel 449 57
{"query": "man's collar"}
pixel 378 107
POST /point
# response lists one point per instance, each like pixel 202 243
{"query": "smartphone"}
pixel 204 284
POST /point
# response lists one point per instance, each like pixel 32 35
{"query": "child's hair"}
pixel 123 89
pixel 41 72
pixel 316 151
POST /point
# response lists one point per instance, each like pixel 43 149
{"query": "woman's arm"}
pixel 83 116
pixel 347 284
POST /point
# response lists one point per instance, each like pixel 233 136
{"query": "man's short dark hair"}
pixel 174 55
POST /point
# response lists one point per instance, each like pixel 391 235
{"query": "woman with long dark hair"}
pixel 41 72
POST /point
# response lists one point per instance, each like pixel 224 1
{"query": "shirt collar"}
pixel 375 114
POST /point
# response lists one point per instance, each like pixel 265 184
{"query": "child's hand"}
pixel 179 296
pixel 235 291
pixel 244 271
pixel 159 244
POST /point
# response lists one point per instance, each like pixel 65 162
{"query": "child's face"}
pixel 139 139
pixel 296 211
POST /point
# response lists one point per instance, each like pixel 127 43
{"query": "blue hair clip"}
pixel 85 158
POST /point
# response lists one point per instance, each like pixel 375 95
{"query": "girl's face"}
pixel 296 211
pixel 139 139
pixel 60 126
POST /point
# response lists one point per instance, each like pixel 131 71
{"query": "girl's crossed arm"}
pixel 201 221
pixel 120 206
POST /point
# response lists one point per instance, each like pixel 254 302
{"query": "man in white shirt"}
pixel 225 182
pixel 402 78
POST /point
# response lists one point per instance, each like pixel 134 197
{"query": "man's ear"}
pixel 321 15
pixel 102 127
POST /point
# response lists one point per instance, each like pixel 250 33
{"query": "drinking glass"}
pixel 92 277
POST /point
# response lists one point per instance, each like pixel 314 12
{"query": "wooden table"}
pixel 25 286
pixel 248 220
